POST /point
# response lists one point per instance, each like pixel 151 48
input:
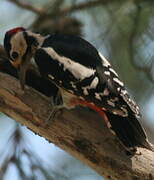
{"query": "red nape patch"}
pixel 91 106
pixel 15 30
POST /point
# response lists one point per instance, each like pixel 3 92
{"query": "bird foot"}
pixel 56 111
pixel 57 107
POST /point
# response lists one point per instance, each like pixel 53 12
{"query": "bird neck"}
pixel 39 38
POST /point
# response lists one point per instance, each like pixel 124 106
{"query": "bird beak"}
pixel 22 71
pixel 15 64
pixel 22 75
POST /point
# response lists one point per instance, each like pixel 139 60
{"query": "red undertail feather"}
pixel 93 107
pixel 128 129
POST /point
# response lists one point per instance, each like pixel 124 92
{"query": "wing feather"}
pixel 99 85
pixel 117 86
pixel 91 66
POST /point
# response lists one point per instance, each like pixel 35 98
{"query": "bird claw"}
pixel 56 111
pixel 56 104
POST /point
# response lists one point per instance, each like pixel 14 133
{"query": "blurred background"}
pixel 122 30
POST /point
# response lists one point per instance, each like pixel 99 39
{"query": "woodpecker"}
pixel 82 75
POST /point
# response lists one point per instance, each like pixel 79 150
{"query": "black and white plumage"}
pixel 80 72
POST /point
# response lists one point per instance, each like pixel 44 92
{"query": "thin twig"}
pixel 82 6
pixel 29 7
pixel 136 21
pixel 70 9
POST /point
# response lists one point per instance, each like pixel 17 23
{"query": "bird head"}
pixel 20 45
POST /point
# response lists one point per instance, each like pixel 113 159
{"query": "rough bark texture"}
pixel 80 132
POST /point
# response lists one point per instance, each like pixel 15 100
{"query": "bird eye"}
pixel 14 55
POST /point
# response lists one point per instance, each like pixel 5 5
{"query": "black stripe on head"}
pixel 7 44
pixel 30 40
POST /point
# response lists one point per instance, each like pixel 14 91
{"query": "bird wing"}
pixel 75 65
pixel 116 86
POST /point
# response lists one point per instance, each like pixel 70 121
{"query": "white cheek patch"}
pixel 18 44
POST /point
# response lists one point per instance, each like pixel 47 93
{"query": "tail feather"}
pixel 129 131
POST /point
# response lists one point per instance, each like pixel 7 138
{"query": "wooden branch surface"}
pixel 80 132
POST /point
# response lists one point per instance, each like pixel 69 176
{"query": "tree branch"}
pixel 147 69
pixel 82 6
pixel 62 12
pixel 29 7
pixel 80 132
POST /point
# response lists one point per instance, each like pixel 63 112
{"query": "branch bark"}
pixel 80 132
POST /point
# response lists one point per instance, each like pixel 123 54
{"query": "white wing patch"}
pixel 50 76
pixel 93 85
pixel 110 103
pixel 133 106
pixel 97 96
pixel 73 85
pixel 85 91
pixel 108 65
pixel 118 81
pixel 105 61
pixel 106 92
pixel 113 71
pixel 107 73
pixel 78 70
